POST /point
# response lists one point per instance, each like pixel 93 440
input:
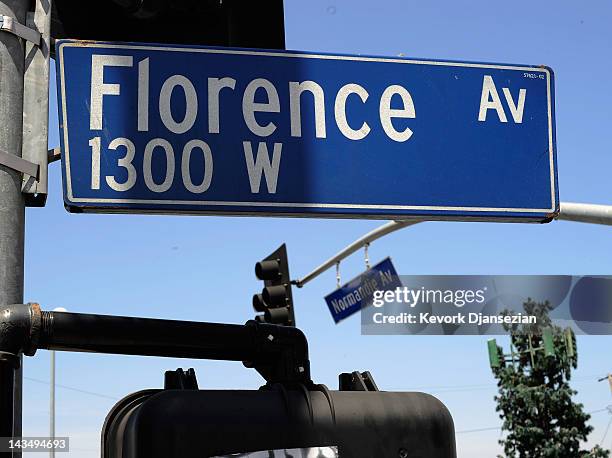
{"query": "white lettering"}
pixel 516 109
pixel 262 164
pixel 95 162
pixel 250 107
pixel 208 166
pixel 489 99
pixel 99 88
pixel 387 113
pixel 295 93
pixel 340 112
pixel 126 163
pixel 147 163
pixel 214 88
pixel 143 95
pixel 191 104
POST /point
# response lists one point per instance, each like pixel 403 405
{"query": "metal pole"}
pixel 570 211
pixel 52 395
pixel 356 245
pixel 586 213
pixel 52 405
pixel 148 336
pixel 7 381
pixel 278 353
pixel 12 207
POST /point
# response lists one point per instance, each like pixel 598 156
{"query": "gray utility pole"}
pixel 12 205
pixel 52 396
pixel 52 405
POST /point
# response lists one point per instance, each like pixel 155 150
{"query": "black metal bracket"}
pixel 278 353
pixel 180 380
pixel 357 381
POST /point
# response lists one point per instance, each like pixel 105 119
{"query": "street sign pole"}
pixel 12 206
pixel 570 211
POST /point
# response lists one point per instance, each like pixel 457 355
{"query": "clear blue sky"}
pixel 201 268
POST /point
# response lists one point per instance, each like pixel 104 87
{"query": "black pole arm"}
pixel 143 336
pixel 278 353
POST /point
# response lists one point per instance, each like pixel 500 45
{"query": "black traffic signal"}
pixel 237 23
pixel 276 300
pixel 281 420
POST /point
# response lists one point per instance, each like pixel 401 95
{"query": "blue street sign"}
pixel 359 292
pixel 151 128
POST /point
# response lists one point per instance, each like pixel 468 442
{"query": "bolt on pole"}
pixel 12 207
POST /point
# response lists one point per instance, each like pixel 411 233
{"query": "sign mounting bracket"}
pixel 11 25
pixel 18 164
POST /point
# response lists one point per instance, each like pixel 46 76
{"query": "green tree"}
pixel 535 399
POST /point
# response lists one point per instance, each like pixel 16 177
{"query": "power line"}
pixel 606 432
pixel 434 389
pixel 71 388
pixel 605 409
pixel 466 431
pixel 429 388
pixel 481 387
pixel 496 428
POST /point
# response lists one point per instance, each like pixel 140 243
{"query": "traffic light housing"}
pixel 236 23
pixel 279 420
pixel 275 302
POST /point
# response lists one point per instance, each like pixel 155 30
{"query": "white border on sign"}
pixel 339 206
